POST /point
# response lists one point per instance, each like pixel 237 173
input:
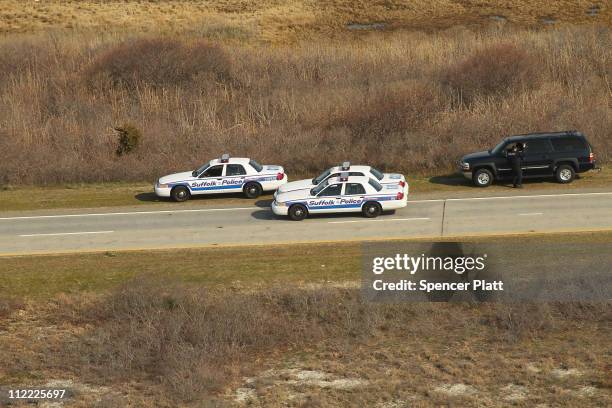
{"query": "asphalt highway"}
pixel 34 233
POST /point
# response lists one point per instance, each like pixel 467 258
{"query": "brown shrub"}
pixel 192 340
pixel 496 69
pixel 158 62
pixel 379 101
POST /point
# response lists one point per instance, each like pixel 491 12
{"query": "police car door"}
pixel 209 181
pixel 328 200
pixel 353 197
pixel 234 177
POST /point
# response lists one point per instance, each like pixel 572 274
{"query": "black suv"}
pixel 559 154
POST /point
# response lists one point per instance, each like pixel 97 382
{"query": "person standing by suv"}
pixel 516 156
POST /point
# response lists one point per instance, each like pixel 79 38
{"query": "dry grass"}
pixel 304 106
pixel 288 21
pixel 159 345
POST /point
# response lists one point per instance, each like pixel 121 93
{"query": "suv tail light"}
pixel 591 157
pixel 402 184
pixel 279 176
pixel 399 196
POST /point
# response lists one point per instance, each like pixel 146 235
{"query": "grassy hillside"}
pixel 410 102
pixel 283 21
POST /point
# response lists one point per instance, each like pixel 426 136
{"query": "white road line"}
pixel 380 220
pixel 128 213
pixel 67 233
pixel 527 196
pixel 527 214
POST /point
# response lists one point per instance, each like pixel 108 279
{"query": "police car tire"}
pixel 180 194
pixel 371 209
pixel 565 174
pixel 480 176
pixel 297 212
pixel 252 190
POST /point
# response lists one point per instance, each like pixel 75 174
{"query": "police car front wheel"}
pixel 297 212
pixel 252 190
pixel 371 210
pixel 180 194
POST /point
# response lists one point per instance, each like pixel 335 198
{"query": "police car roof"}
pixel 349 179
pixel 353 167
pixel 231 160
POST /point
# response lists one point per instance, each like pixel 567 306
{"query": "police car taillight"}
pixel 402 183
pixel 279 176
pixel 591 157
pixel 399 196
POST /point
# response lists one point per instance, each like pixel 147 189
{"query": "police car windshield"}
pixel 201 169
pixel 378 174
pixel 319 188
pixel 258 167
pixel 321 177
pixel 375 184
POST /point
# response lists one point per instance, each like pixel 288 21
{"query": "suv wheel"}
pixel 180 194
pixel 297 212
pixel 482 178
pixel 371 210
pixel 252 190
pixel 565 174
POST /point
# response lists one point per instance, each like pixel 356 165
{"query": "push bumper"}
pixel 162 191
pixel 279 209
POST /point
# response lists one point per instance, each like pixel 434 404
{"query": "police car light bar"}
pixel 225 158
pixel 344 176
pixel 346 165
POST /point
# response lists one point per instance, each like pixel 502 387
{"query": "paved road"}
pixel 29 233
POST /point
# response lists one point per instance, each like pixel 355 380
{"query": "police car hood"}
pixel 172 178
pixel 293 195
pixel 295 185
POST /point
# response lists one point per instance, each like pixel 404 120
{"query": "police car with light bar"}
pixel 333 172
pixel 224 175
pixel 342 194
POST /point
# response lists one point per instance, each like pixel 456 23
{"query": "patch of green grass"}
pixel 44 276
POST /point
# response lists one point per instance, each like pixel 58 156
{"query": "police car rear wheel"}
pixel 252 190
pixel 565 174
pixel 297 212
pixel 482 178
pixel 371 210
pixel 180 194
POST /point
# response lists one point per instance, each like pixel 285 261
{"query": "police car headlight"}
pixel 464 165
pixel 279 204
pixel 160 185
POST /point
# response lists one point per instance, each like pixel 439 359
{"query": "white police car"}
pixel 224 175
pixel 342 194
pixel 333 172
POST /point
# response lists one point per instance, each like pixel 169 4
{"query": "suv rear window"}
pixel 536 146
pixel 567 144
